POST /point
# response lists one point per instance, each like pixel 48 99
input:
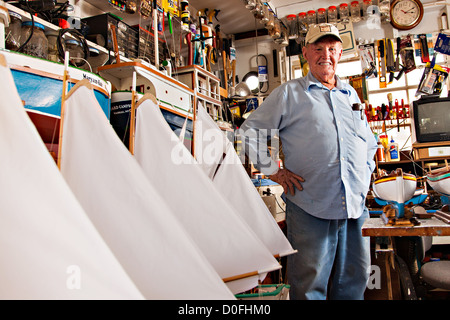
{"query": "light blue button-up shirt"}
pixel 323 140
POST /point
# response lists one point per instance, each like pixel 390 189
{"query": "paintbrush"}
pixel 389 96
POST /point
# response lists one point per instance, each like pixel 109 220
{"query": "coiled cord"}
pixel 62 46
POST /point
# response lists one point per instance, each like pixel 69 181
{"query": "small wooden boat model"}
pixel 397 186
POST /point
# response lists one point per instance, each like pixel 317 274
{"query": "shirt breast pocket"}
pixel 359 125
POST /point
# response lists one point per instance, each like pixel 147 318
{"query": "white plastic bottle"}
pixel 393 151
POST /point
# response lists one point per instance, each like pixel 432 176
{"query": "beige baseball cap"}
pixel 318 31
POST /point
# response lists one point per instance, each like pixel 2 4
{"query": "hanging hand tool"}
pixel 201 38
pixel 390 60
pixel 203 14
pixel 423 43
pixel 398 66
pixel 407 54
pixel 400 74
pixel 219 42
pixel 384 115
pixel 169 20
pixel 368 60
pixel 115 43
pixel 397 60
pixel 211 26
pixel 397 115
pixel 225 70
pixel 212 14
pixel 212 55
pixel 208 58
pixel 381 64
pixel 233 72
pixel 206 29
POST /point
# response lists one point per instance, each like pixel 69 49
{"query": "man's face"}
pixel 323 57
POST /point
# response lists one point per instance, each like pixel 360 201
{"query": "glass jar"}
pixel 37 45
pixel 270 23
pixel 302 23
pixel 311 18
pixel 52 39
pixel 249 4
pixel 292 26
pixel 283 39
pixel 265 14
pixel 76 53
pixel 12 41
pixel 284 35
pixel 384 6
pixel 275 32
pixel 321 15
pixel 355 11
pixel 365 7
pixel 332 15
pixel 258 10
pixel 344 16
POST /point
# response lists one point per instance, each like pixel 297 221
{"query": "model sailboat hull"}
pixel 39 84
pixel 50 249
pixel 439 180
pixel 396 187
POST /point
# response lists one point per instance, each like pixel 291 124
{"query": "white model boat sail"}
pixel 128 211
pixel 223 236
pixel 230 178
pixel 49 247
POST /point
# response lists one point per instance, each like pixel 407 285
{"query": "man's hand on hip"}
pixel 288 180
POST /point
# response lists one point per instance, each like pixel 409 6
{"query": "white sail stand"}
pixel 49 247
pixel 128 211
pixel 222 235
pixel 233 182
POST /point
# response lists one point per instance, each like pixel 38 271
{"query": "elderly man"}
pixel 328 148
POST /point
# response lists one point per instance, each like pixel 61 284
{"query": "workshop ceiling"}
pixel 235 18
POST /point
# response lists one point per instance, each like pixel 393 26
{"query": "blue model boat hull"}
pixel 43 94
pixel 39 83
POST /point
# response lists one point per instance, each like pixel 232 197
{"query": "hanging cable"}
pixel 261 83
pixel 62 47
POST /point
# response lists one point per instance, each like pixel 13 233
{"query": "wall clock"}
pixel 406 14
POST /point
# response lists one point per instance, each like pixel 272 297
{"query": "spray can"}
pixel 380 152
pixel 185 13
pixel 393 150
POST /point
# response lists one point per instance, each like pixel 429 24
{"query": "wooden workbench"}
pixel 375 227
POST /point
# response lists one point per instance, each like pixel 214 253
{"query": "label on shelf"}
pixel 439 151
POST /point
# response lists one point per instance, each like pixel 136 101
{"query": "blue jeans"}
pixel 330 252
